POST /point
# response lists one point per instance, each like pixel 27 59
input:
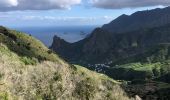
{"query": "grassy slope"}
pixel 25 45
pixel 34 73
pixel 152 64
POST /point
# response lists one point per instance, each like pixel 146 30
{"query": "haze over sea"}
pixel 68 33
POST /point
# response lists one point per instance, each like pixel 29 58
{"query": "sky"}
pixel 17 13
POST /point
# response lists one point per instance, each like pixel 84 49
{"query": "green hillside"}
pixel 151 64
pixel 25 45
pixel 30 71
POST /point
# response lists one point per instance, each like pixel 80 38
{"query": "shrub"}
pixel 85 89
pixel 57 77
pixel 50 51
pixel 156 72
pixel 28 47
pixel 28 61
pixel 3 96
pixel 1 75
pixel 18 44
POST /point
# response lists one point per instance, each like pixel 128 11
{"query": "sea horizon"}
pixel 45 34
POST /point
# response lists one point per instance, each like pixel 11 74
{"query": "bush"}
pixel 1 75
pixel 28 61
pixel 156 72
pixel 85 89
pixel 3 96
pixel 57 77
pixel 50 51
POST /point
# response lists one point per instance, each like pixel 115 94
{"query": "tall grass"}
pixel 52 80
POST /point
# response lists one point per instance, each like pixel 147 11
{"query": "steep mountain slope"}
pixel 30 71
pixel 139 20
pixel 105 47
pixel 87 49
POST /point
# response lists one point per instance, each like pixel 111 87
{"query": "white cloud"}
pixel 117 4
pixel 8 5
pixel 58 18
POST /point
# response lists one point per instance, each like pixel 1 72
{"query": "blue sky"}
pixel 63 12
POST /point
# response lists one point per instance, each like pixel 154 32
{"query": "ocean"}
pixel 69 33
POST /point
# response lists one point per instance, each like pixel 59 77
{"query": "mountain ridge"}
pixel 102 43
pixel 139 20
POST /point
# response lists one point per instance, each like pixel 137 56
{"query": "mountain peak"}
pixel 123 16
pixel 59 42
pixel 138 20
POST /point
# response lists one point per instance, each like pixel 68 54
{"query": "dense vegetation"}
pixel 151 64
